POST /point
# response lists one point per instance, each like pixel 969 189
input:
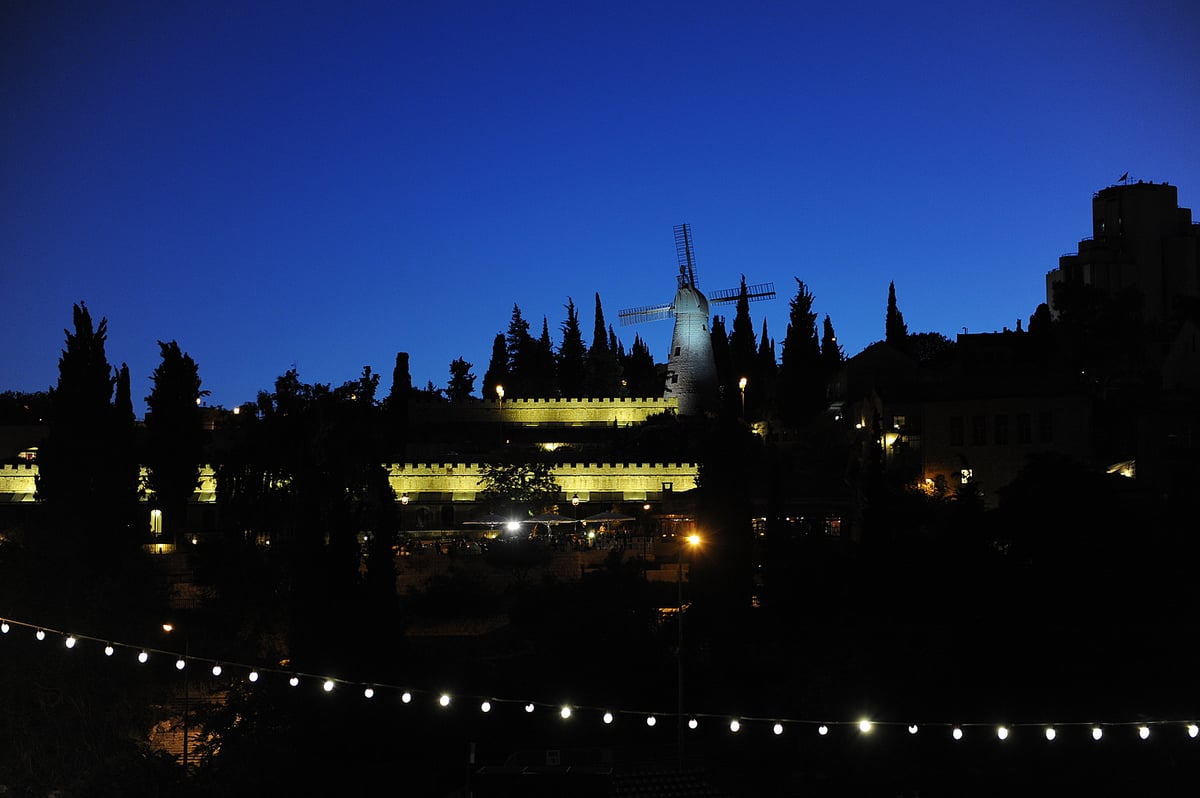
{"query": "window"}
pixel 1000 429
pixel 898 422
pixel 978 430
pixel 967 475
pixel 1024 428
pixel 677 351
pixel 1045 427
pixel 674 379
pixel 956 431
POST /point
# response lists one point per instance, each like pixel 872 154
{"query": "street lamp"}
pixel 168 628
pixel 742 387
pixel 403 504
pixel 500 395
pixel 693 541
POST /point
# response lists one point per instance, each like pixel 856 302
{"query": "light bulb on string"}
pixel 777 728
pixel 735 726
pixel 864 726
pixel 564 713
pixel 529 707
pixel 295 680
pixel 822 730
pixel 142 657
pixel 912 729
pixel 253 677
pixel 70 641
pixel 651 720
pixel 444 699
pixel 216 669
pixel 4 627
pixel 608 718
pixel 1097 732
pixel 693 723
pixel 1050 733
pixel 1144 732
pixel 1002 732
pixel 957 734
pixel 41 634
pixel 108 650
pixel 180 664
pixel 406 697
pixel 369 691
pixel 486 706
pixel 1193 730
pixel 328 686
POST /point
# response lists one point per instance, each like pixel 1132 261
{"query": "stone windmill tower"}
pixel 691 372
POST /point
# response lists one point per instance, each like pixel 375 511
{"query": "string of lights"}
pixel 1050 730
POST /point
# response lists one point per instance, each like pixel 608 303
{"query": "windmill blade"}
pixel 685 254
pixel 646 313
pixel 754 293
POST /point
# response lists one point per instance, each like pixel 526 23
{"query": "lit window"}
pixel 967 475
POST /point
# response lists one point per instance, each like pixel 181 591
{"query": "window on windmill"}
pixel 677 351
pixel 674 379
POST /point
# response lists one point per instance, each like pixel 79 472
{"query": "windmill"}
pixel 691 372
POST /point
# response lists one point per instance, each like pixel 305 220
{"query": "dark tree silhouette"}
pixel 542 380
pixel 174 438
pixel 895 329
pixel 642 379
pixel 743 349
pixel 462 381
pixel 572 355
pixel 519 347
pixel 831 351
pixel 603 376
pixel 801 378
pixel 497 370
pixel 762 387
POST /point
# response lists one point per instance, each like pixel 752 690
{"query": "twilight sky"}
pixel 278 184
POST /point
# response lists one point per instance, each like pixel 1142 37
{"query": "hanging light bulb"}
pixel 41 634
pixel 564 713
pixel 529 707
pixel 142 657
pixel 864 726
pixel 4 627
pixel 777 728
pixel 253 676
pixel 70 641
pixel 912 729
pixel 1050 733
pixel 406 697
pixel 735 726
pixel 108 650
pixel 1097 732
pixel 486 706
pixel 328 685
pixel 444 699
pixel 180 664
pixel 1144 732
pixel 295 680
pixel 369 691
pixel 1193 730
pixel 693 723
pixel 1002 732
pixel 608 718
pixel 651 720
pixel 957 733
pixel 216 669
pixel 822 730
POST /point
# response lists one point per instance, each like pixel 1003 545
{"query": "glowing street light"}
pixel 742 387
pixel 500 395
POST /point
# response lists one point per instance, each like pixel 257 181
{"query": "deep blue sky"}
pixel 297 184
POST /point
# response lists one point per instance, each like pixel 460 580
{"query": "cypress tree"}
pixel 801 388
pixel 497 370
pixel 895 330
pixel 174 437
pixel 572 355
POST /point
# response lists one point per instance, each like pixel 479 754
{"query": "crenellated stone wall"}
pixel 614 411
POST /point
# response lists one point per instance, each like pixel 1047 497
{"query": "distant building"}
pixel 1140 239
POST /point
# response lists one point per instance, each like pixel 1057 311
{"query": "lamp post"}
pixel 693 540
pixel 168 628
pixel 403 504
pixel 500 396
pixel 742 387
pixel 575 509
